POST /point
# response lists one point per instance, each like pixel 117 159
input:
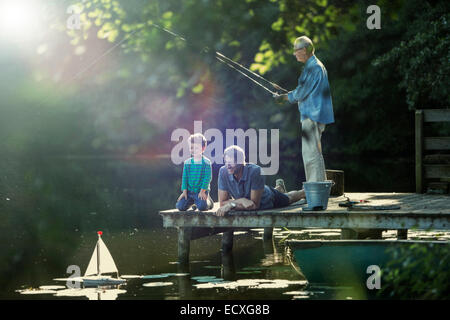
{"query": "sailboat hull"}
pixel 102 281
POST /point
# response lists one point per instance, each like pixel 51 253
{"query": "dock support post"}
pixel 348 234
pixel 402 234
pixel 184 245
pixel 268 232
pixel 419 152
pixel 227 242
pixel 353 234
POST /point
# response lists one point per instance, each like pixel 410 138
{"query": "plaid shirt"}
pixel 196 176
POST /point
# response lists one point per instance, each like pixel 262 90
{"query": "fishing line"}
pixel 257 75
pixel 259 84
pixel 219 56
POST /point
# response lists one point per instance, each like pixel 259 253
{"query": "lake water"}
pixel 147 259
pixel 51 210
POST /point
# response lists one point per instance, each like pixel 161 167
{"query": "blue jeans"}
pixel 192 197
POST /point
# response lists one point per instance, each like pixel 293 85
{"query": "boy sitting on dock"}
pixel 241 186
pixel 196 177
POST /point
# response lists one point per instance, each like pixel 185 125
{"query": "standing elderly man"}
pixel 314 103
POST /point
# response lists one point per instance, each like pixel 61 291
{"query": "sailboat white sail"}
pixel 101 263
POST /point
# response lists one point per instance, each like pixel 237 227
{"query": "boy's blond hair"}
pixel 197 138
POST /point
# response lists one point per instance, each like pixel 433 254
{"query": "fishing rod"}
pixel 244 74
pixel 231 63
pixel 276 86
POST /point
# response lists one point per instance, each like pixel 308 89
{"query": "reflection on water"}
pixel 101 293
pixel 91 293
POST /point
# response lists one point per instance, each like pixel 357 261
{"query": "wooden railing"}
pixel 432 165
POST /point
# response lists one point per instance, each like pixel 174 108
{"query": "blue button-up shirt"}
pixel 313 93
pixel 251 179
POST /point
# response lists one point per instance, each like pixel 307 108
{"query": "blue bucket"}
pixel 317 193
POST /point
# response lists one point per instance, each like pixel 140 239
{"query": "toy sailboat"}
pixel 101 263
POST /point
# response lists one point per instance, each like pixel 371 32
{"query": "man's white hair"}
pixel 235 152
pixel 304 42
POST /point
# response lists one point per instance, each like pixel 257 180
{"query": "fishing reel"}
pixel 280 97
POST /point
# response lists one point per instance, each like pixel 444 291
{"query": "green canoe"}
pixel 347 261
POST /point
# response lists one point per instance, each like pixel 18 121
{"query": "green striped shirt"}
pixel 196 176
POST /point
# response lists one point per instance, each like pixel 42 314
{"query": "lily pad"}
pixel 300 282
pixel 215 280
pixel 298 293
pixel 203 277
pixel 51 287
pixel 130 276
pixel 211 285
pixel 36 291
pixel 157 284
pixel 155 276
pixel 272 285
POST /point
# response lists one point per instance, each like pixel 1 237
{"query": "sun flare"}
pixel 19 19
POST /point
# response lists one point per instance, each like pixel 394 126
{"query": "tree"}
pixel 422 57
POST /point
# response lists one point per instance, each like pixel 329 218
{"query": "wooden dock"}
pixel 418 211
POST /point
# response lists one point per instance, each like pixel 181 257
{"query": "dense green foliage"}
pixel 418 272
pixel 422 57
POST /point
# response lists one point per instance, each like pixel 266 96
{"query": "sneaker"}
pixel 279 185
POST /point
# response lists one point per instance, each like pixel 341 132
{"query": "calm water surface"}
pixel 147 258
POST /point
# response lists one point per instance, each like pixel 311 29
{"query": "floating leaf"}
pixel 157 284
pixel 213 280
pixel 130 276
pixel 203 277
pixel 51 287
pixel 155 276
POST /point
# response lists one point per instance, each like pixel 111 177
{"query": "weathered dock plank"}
pixel 387 220
pixel 417 211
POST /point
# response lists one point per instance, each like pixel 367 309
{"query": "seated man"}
pixel 244 183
